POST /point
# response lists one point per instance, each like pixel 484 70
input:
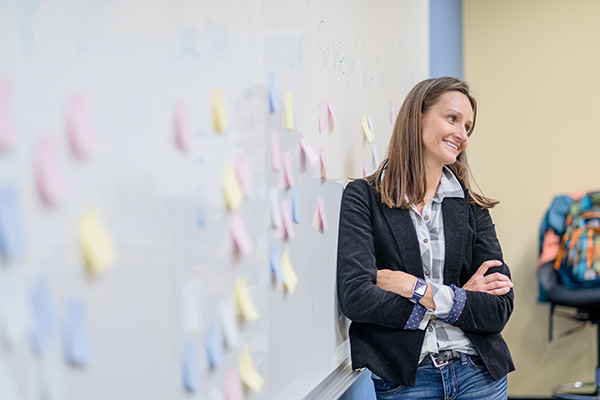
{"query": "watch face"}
pixel 420 289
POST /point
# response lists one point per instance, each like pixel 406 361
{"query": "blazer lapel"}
pixel 455 224
pixel 405 237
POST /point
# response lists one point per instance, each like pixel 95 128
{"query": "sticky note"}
pixel 191 306
pixel 274 104
pixel 219 113
pixel 375 157
pixel 287 170
pixel 275 152
pixel 291 279
pixel 332 117
pixel 15 315
pixel 366 130
pixel 394 110
pixel 95 242
pixel 289 111
pixel 48 173
pixel 248 372
pixel 366 170
pixel 286 217
pixel 323 159
pixel 45 323
pixel 227 317
pixel 307 150
pixel 244 303
pixel 295 204
pixel 275 263
pixel 239 234
pixel 233 389
pixel 6 116
pixel 77 343
pixel 8 385
pixel 274 207
pixel 213 341
pixel 370 123
pixel 181 125
pixel 322 215
pixel 231 188
pixel 322 112
pixel 12 231
pixel 190 371
pixel 79 127
pixel 242 172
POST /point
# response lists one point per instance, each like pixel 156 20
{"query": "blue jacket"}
pixel 373 236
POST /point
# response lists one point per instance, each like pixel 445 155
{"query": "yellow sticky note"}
pixel 366 129
pixel 231 188
pixel 291 279
pixel 219 113
pixel 95 242
pixel 243 301
pixel 248 373
pixel 289 111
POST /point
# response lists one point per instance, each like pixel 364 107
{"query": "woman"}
pixel 420 271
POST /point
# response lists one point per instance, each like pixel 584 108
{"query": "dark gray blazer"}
pixel 373 236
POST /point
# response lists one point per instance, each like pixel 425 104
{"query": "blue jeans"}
pixel 461 379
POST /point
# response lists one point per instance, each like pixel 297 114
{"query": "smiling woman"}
pixel 420 271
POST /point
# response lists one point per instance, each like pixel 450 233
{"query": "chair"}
pixel 586 303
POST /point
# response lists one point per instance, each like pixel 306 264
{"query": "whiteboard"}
pixel 162 205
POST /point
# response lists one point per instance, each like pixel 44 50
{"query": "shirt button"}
pixel 426 218
pixel 427 273
pixel 430 329
pixel 425 240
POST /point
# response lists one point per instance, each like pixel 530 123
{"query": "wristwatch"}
pixel 418 290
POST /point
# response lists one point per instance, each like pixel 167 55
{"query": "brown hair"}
pixel 404 181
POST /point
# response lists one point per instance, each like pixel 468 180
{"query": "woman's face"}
pixel 445 126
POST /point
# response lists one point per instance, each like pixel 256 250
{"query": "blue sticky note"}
pixel 295 205
pixel 44 318
pixel 275 263
pixel 274 103
pixel 77 344
pixel 191 375
pixel 12 233
pixel 214 343
pixel 201 218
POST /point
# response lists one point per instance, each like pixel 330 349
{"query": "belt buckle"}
pixel 436 363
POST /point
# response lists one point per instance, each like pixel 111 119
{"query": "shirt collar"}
pixel 449 186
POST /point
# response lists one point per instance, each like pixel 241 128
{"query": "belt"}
pixel 440 358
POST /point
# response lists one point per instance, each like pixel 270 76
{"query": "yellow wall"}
pixel 534 67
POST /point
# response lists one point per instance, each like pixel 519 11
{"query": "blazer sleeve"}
pixel 361 300
pixel 485 313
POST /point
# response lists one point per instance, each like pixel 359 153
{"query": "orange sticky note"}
pixel 48 174
pixel 79 126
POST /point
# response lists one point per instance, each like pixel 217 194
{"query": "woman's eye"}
pixel 452 118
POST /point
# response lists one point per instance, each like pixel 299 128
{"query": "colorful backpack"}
pixel 578 260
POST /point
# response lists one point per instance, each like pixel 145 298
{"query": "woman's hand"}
pixel 496 283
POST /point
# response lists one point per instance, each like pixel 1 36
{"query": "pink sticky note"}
pixel 79 126
pixel 287 170
pixel 275 153
pixel 6 116
pixel 332 118
pixel 286 218
pixel 366 171
pixel 322 215
pixel 239 234
pixel 322 110
pixel 48 174
pixel 242 171
pixel 307 150
pixel 323 159
pixel 181 122
pixel 233 387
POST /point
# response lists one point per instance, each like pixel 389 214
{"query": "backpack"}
pixel 578 260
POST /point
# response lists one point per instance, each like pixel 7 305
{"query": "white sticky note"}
pixel 191 306
pixel 227 317
pixel 274 207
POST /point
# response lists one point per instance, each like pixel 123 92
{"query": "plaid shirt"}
pixel 449 300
